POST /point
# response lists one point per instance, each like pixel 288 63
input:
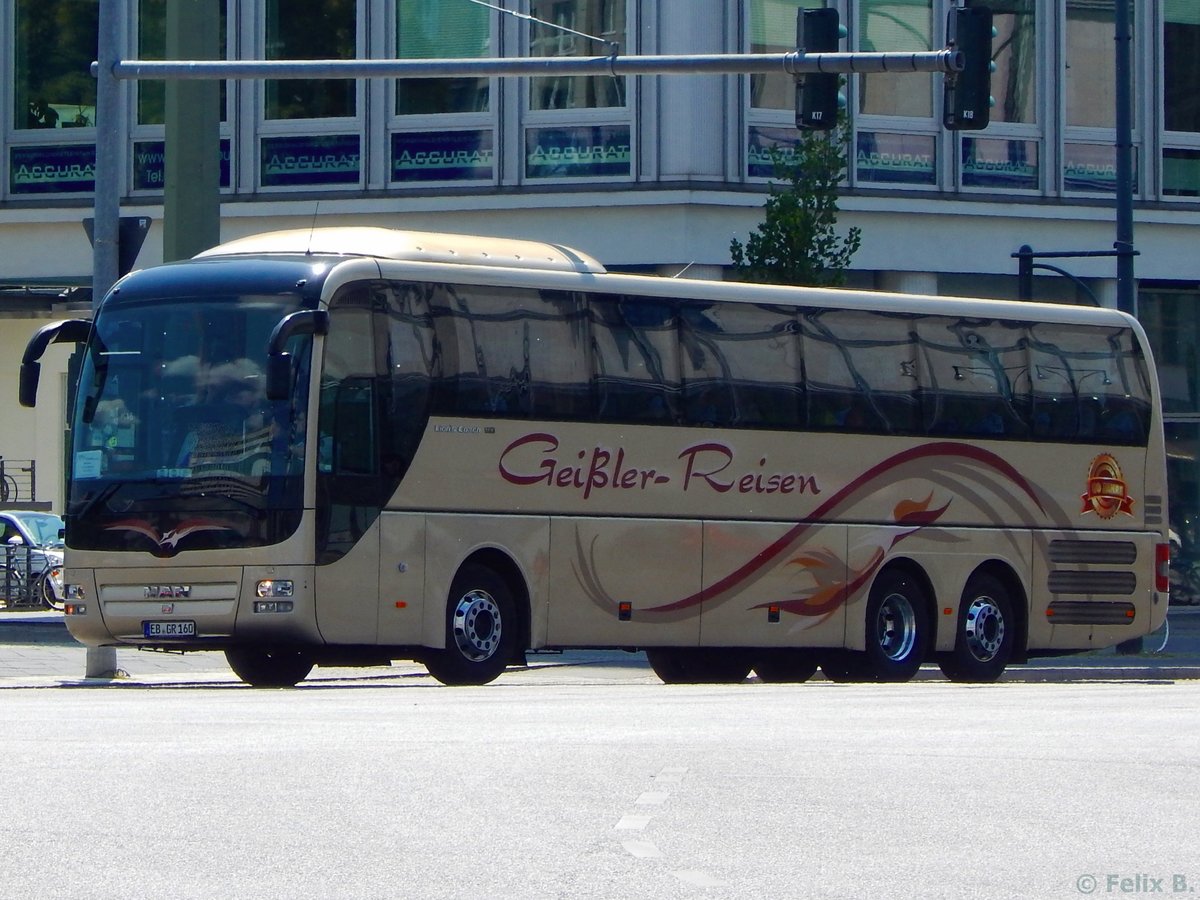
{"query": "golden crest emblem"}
pixel 1107 494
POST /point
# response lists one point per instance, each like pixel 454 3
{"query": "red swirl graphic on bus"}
pixel 829 591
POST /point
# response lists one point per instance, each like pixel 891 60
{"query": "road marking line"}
pixel 652 798
pixel 633 823
pixel 697 878
pixel 642 849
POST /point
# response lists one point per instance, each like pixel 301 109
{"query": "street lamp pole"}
pixel 1126 286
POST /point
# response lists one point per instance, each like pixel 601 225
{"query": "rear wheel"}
pixel 481 629
pixel 785 665
pixel 987 630
pixel 699 665
pixel 269 667
pixel 897 629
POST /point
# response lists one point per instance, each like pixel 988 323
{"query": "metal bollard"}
pixel 102 663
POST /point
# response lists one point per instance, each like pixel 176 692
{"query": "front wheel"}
pixel 269 667
pixel 481 629
pixel 987 630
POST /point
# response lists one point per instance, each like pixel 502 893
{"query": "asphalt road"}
pixel 548 785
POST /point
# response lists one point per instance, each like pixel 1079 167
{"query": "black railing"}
pixel 23 581
pixel 18 481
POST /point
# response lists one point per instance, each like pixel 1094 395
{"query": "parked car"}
pixel 31 567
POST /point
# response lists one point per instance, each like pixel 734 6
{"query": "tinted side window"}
pixel 635 353
pixel 973 375
pixel 741 366
pixel 860 371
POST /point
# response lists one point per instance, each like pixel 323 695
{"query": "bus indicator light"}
pixel 401 604
pixel 624 611
pixel 273 606
pixel 773 613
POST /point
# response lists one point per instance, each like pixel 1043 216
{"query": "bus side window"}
pixel 635 351
pixel 354 428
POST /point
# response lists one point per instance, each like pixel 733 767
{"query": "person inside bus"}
pixel 233 428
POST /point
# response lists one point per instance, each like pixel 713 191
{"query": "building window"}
pixel 1014 51
pixel 1181 99
pixel 1089 89
pixel 604 19
pixel 434 29
pixel 311 29
pixel 152 44
pixel 893 26
pixel 578 125
pixel 55 45
pixel 773 30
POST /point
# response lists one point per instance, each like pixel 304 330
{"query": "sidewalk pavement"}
pixel 37 651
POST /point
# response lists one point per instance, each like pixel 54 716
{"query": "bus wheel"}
pixel 785 665
pixel 846 666
pixel 986 632
pixel 481 629
pixel 699 665
pixel 268 667
pixel 897 633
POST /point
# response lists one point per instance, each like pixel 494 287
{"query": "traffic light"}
pixel 967 98
pixel 817 31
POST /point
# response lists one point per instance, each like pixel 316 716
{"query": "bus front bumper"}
pixel 198 608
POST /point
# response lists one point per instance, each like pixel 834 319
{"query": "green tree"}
pixel 797 242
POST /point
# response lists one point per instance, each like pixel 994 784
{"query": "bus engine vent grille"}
pixel 1112 553
pixel 1076 612
pixel 1121 583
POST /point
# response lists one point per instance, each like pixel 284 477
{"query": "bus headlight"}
pixel 270 587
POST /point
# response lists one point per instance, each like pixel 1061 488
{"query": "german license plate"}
pixel 175 629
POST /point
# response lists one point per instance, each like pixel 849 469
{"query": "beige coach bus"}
pixel 345 446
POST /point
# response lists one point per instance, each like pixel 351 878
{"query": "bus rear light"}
pixel 270 587
pixel 1162 568
pixel 74 592
pixel 75 609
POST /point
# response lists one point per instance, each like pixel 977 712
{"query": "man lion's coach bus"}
pixel 350 446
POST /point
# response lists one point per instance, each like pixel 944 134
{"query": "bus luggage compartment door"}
pixel 625 583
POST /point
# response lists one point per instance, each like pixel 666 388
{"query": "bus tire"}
pixel 846 666
pixel 986 632
pixel 897 627
pixel 481 629
pixel 699 665
pixel 785 665
pixel 269 666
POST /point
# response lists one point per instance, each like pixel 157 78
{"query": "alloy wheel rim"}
pixel 477 626
pixel 896 627
pixel 984 628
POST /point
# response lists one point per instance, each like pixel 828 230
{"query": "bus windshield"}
pixel 171 421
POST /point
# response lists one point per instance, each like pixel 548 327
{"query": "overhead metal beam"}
pixel 792 63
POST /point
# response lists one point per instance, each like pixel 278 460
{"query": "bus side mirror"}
pixel 68 330
pixel 279 361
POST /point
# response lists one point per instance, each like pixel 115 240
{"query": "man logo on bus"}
pixel 1107 493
